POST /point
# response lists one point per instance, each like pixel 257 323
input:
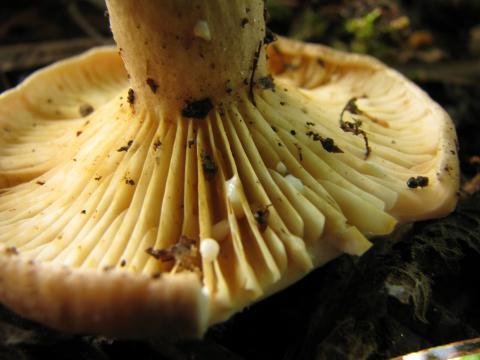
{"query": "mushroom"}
pixel 220 170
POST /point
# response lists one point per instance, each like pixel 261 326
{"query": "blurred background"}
pixel 347 309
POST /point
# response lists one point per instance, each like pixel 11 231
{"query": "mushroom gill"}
pixel 163 201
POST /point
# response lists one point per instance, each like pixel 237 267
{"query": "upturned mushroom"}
pixel 157 190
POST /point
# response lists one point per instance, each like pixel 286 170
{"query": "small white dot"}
pixel 281 168
pixel 202 31
pixel 295 182
pixel 233 195
pixel 209 249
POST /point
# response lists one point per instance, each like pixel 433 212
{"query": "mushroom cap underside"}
pixel 168 215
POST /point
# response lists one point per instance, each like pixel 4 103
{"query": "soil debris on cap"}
pixel 197 109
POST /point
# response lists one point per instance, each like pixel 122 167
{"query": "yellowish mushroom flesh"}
pixel 119 215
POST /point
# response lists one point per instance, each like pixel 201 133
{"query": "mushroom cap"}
pixel 409 133
pixel 114 221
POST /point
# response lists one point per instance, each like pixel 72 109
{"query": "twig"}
pixel 354 127
pixel 459 72
pixel 254 68
pixel 82 23
pixel 25 56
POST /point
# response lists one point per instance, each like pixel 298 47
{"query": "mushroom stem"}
pixel 183 51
